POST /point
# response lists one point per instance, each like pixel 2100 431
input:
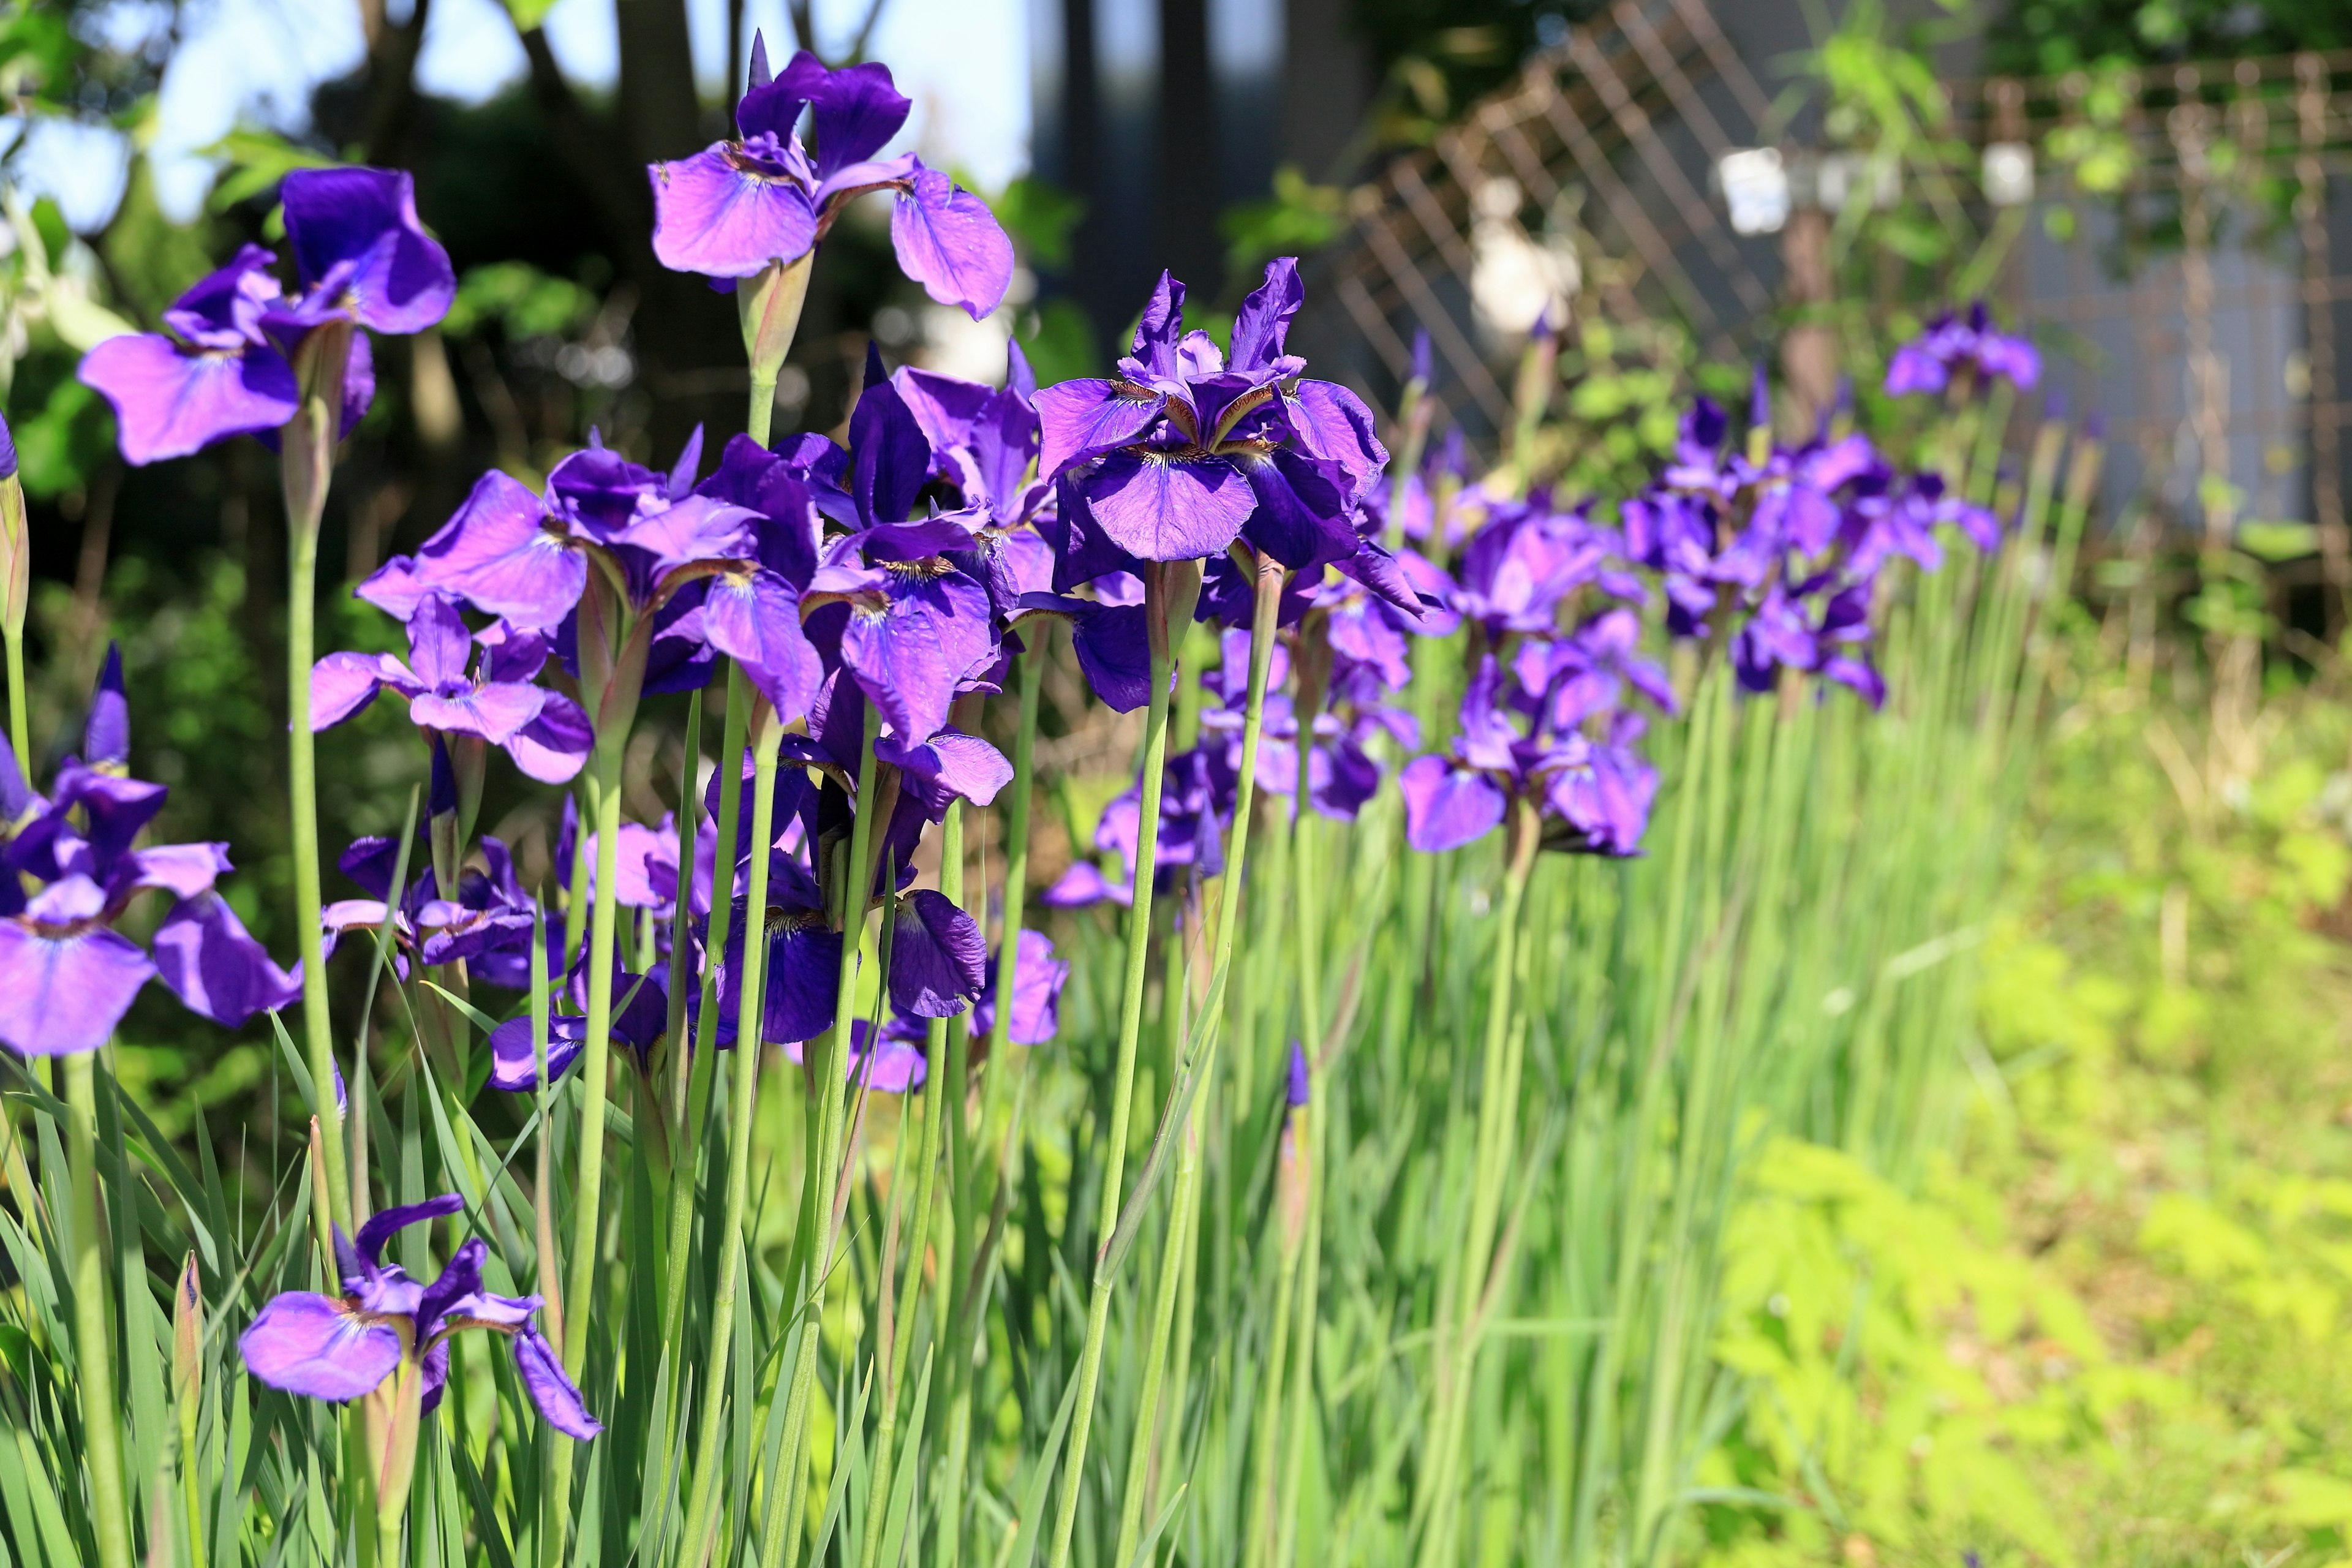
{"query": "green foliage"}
pixel 1298 217
pixel 521 301
pixel 2047 38
pixel 1040 216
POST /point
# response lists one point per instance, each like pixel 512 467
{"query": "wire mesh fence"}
pixel 2179 243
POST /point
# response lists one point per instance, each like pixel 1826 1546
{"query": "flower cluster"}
pixel 1966 350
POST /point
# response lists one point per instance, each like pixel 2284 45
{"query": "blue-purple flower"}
pixel 450 691
pixel 1967 346
pixel 764 197
pixel 70 868
pixel 225 369
pixel 1186 449
pixel 347 1347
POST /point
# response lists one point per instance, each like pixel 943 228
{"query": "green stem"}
pixel 695 1111
pixel 1174 1260
pixel 596 1062
pixel 824 1156
pixel 1263 1504
pixel 19 721
pixel 742 1103
pixel 963 1194
pixel 1497 1115
pixel 307 453
pixel 109 1504
pixel 1131 1031
pixel 936 1104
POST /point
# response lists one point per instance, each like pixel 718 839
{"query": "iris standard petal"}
pixel 168 403
pixel 61 995
pixel 399 279
pixel 384 1225
pixel 949 242
pixel 318 1346
pixel 938 960
pixel 1162 506
pixel 725 215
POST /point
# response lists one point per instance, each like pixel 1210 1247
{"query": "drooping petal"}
pixel 543 1378
pixel 727 214
pixel 63 995
pixel 183 870
pixel 495 554
pixel 318 1346
pixel 554 747
pixel 1331 424
pixel 1445 806
pixel 938 958
pixel 1083 884
pixel 949 242
pixel 399 279
pixel 496 712
pixel 1163 506
pixel 949 766
pixel 168 403
pixel 754 618
pixel 1114 649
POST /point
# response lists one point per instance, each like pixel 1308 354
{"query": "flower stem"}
pixel 93 1319
pixel 1131 1031
pixel 823 1172
pixel 936 1104
pixel 596 1061
pixel 685 1171
pixel 963 1195
pixel 742 1103
pixel 1497 1111
pixel 307 458
pixel 1264 612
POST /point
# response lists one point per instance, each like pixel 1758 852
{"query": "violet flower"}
pixel 734 208
pixel 1038 980
pixel 893 1064
pixel 341 1348
pixel 544 731
pixel 68 870
pixel 1184 451
pixel 225 369
pixel 486 923
pixel 1969 346
pixel 1593 791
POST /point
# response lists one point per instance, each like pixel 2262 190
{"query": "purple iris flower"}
pixel 486 924
pixel 1037 982
pixel 891 1064
pixel 1594 792
pixel 361 256
pixel 67 873
pixel 739 206
pixel 1184 450
pixel 495 700
pixel 910 626
pixel 341 1348
pixel 1970 344
pixel 640 1018
pixel 689 566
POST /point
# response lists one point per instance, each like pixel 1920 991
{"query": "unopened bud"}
pixel 16 539
pixel 187 1339
pixel 770 306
